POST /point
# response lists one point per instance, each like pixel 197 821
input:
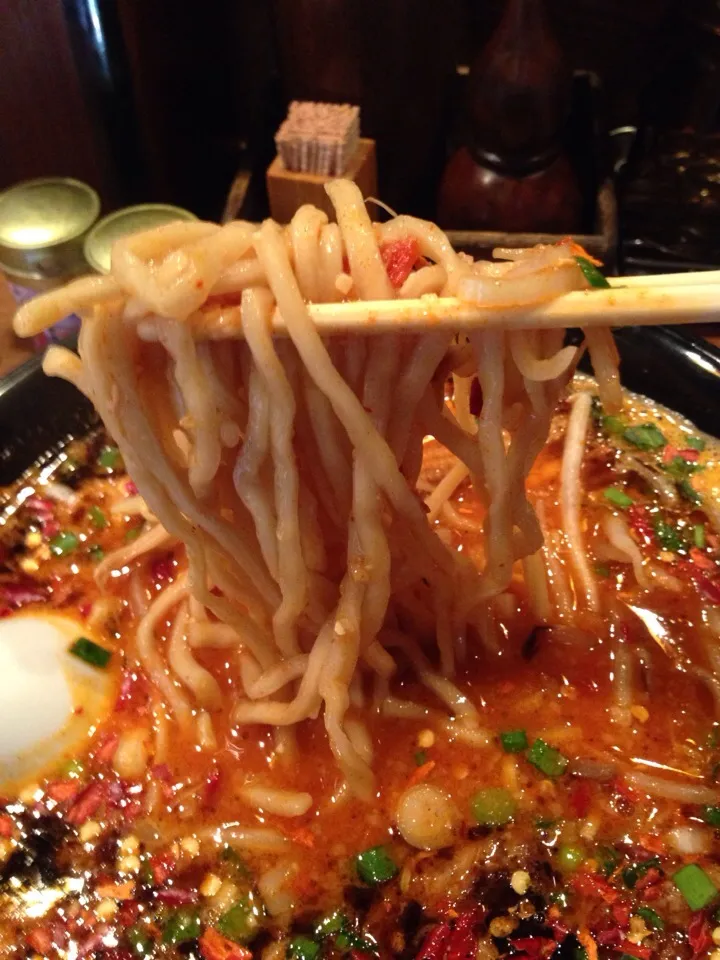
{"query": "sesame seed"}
pixel 425 739
pixel 210 885
pixel 89 831
pixel 520 882
pixel 129 864
pixel 190 845
pixel 106 909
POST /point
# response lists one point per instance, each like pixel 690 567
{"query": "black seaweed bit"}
pixel 569 949
pixel 479 831
pixel 410 919
pixel 360 898
pixel 34 862
pixel 494 892
pixel 190 949
pixel 531 646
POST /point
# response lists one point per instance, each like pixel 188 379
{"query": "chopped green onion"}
pixel 614 425
pixel 545 823
pixel 109 458
pixel 618 497
pixel 633 873
pixel 96 553
pixel 97 517
pixel 695 885
pixel 696 443
pixel 375 865
pixel 547 759
pixel 303 948
pixel 646 436
pixel 680 468
pixel 688 492
pixel 72 769
pixel 492 807
pixel 132 534
pixel 230 856
pixel 607 858
pixel 560 898
pixel 711 815
pixel 90 652
pixel 569 858
pixel 63 543
pixel 139 939
pixel 602 569
pixel 241 922
pixel 580 953
pixel 331 924
pixel 182 925
pixel 651 918
pixel 420 758
pixel 514 741
pixel 349 940
pixel 667 535
pixel 591 273
pixel 699 535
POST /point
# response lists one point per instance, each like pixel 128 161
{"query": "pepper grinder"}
pixel 512 174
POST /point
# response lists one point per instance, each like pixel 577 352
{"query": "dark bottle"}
pixel 512 174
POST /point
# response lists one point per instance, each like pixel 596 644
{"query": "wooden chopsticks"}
pixel 668 299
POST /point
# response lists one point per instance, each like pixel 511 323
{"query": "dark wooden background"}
pixel 164 100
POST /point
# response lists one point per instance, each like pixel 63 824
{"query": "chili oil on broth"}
pixel 107 863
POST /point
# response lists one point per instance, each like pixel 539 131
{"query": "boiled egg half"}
pixel 50 699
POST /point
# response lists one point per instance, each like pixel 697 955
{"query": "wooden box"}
pixel 287 191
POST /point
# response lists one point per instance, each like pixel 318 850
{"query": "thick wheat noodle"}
pixel 423 281
pixel 536 581
pixel 380 373
pixel 249 477
pixel 571 496
pixel 361 246
pixel 207 634
pixel 292 572
pixel 440 423
pixel 189 672
pixel 309 542
pixel 333 449
pixel 605 359
pixel 419 368
pixel 368 443
pixel 457 521
pixel 617 532
pixel 532 367
pixel 61 362
pixel 150 659
pixel 282 803
pixel 104 349
pixel 155 538
pixel 334 685
pixel 433 244
pixel 277 677
pixel 80 296
pixel 498 546
pixel 197 394
pixel 305 228
pixel 463 709
pixel 331 261
pixel 445 489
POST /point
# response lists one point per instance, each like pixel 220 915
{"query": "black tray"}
pixel 38 413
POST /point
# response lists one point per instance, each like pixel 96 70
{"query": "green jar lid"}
pixel 42 223
pixel 145 216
